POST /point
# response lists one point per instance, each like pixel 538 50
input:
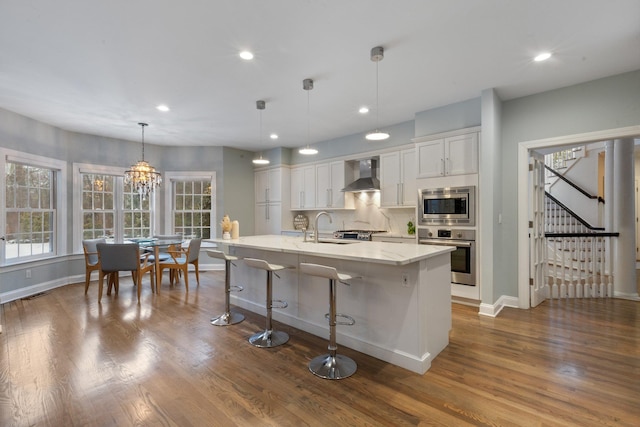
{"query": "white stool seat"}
pixel 221 255
pixel 324 271
pixel 228 317
pixel 264 265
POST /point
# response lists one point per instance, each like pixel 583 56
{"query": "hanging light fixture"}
pixel 142 176
pixel 260 105
pixel 377 53
pixel 307 84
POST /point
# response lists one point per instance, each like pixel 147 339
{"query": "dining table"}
pixel 156 245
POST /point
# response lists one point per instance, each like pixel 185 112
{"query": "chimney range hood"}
pixel 368 180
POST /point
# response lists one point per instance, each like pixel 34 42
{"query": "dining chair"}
pixel 163 255
pixel 180 260
pixel 117 257
pixel 91 260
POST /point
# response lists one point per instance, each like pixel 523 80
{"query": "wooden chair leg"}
pixel 86 281
pixel 195 264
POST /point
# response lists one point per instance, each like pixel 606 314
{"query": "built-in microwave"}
pixel 447 206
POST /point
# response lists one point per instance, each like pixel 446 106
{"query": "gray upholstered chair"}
pixel 123 257
pixel 91 260
pixel 180 260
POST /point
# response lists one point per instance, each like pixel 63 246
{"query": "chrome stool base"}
pixel 332 367
pixel 268 339
pixel 227 319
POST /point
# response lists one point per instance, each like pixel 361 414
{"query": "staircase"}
pixel 578 254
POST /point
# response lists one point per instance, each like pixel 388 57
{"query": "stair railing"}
pixel 579 263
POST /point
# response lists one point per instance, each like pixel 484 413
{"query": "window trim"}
pixel 170 177
pixel 81 168
pixel 59 168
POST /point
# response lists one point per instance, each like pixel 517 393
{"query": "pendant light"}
pixel 377 54
pixel 307 84
pixel 142 176
pixel 260 105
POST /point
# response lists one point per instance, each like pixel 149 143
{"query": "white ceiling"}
pixel 100 67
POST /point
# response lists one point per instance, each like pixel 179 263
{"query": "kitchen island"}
pixel 401 303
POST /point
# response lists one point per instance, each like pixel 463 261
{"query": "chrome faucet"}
pixel 315 224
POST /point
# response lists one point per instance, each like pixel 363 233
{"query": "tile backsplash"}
pixel 368 215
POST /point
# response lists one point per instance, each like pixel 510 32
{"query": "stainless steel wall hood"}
pixel 368 180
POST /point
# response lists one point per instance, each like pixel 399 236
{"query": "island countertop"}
pixel 376 252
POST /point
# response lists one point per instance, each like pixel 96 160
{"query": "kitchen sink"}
pixel 335 241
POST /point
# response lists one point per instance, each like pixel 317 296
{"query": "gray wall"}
pixel 460 115
pixel 349 145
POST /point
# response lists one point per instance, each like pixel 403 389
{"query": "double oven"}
pixel 441 209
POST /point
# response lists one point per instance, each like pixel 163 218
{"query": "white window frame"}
pixel 170 178
pixel 82 168
pixel 60 170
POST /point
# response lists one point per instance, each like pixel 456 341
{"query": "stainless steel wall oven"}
pixel 463 258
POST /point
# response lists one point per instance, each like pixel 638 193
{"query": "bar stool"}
pixel 331 366
pixel 228 317
pixel 268 338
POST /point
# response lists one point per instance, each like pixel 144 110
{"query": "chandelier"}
pixel 142 176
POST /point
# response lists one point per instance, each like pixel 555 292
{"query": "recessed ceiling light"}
pixel 542 57
pixel 273 136
pixel 246 55
pixel 163 107
pixel 363 110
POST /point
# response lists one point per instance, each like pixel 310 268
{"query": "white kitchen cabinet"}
pixel 268 218
pixel 455 155
pixel 303 187
pixel 398 179
pixel 268 185
pixel 329 182
pixel 272 212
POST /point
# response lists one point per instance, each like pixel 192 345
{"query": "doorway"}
pixel 525 150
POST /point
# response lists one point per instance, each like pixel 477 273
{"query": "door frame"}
pixel 523 191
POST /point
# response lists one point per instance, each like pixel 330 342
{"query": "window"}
pixel 192 207
pixel 32 226
pixel 98 206
pixel 137 213
pixel 109 207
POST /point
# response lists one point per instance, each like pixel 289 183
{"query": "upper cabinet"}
pixel 268 185
pixel 329 183
pixel 455 155
pixel 303 187
pixel 398 179
pixel 272 213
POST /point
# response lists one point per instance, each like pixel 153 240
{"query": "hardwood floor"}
pixel 67 361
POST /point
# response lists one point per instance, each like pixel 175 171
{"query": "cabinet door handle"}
pixel 266 195
pixel 266 212
pixel 448 166
pixel 442 169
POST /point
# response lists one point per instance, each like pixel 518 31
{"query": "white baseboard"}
pixel 492 310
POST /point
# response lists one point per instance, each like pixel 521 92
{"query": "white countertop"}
pixel 377 252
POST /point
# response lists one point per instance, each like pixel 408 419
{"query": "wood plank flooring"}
pixel 65 360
